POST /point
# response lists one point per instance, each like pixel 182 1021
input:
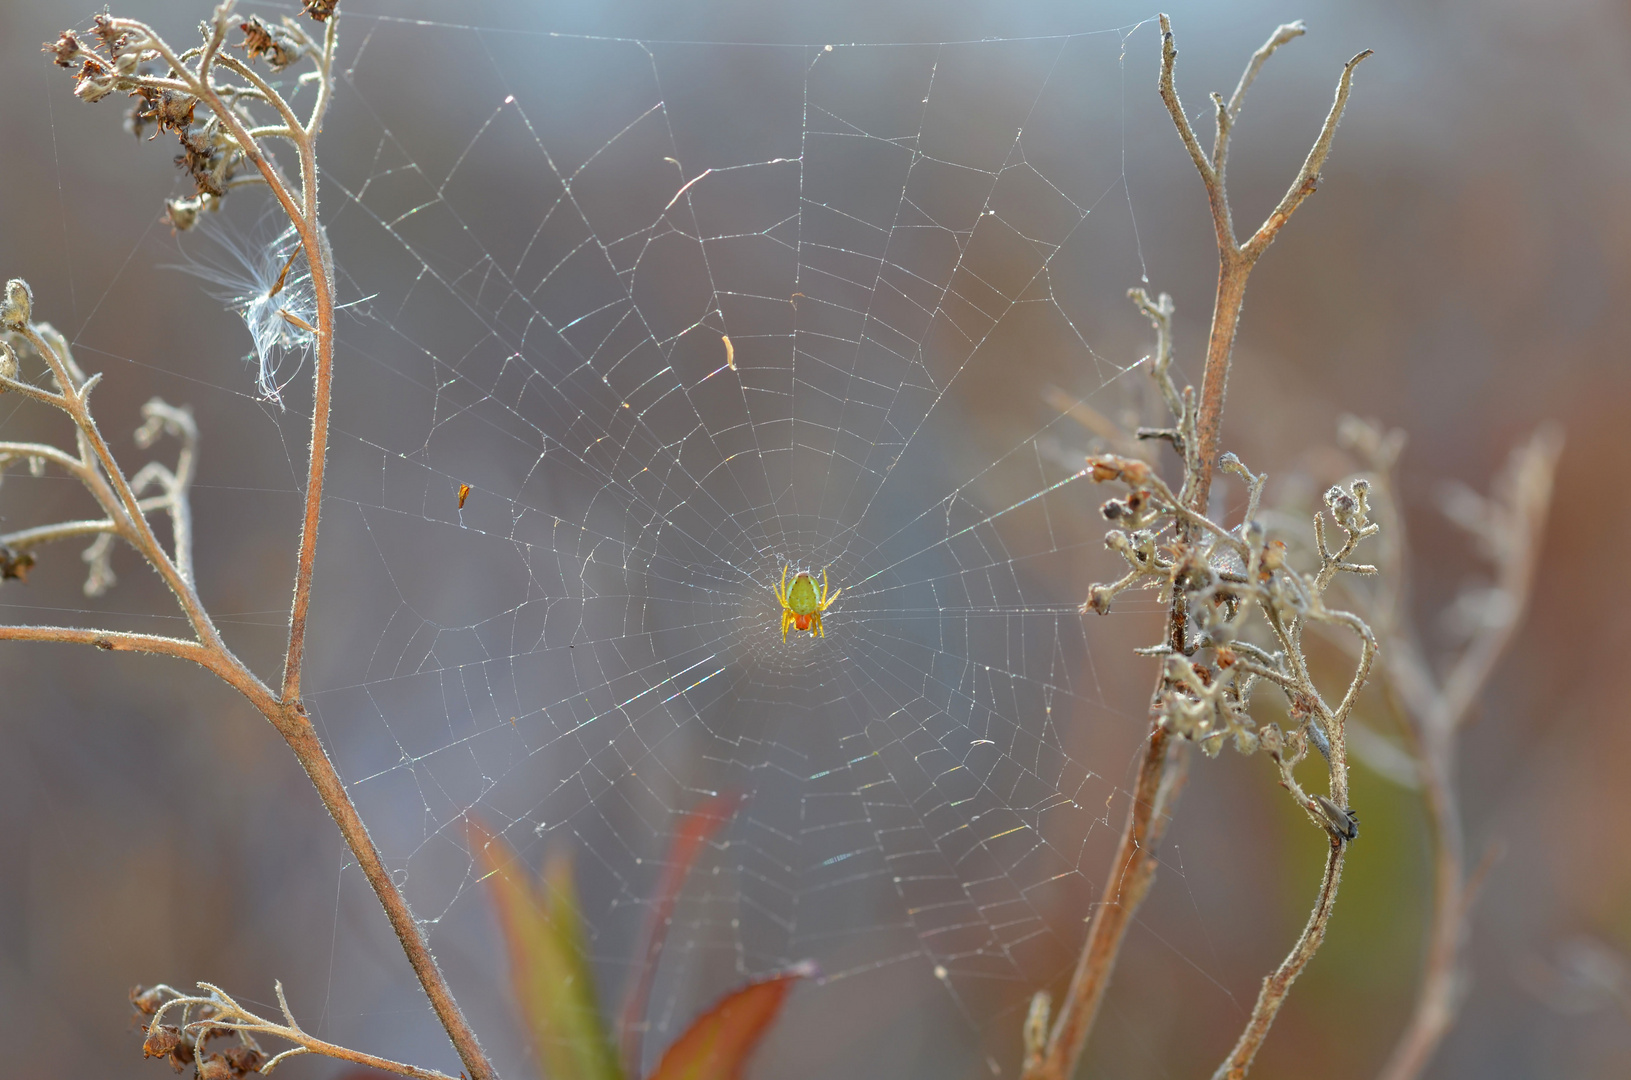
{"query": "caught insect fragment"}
pixel 1342 822
pixel 464 493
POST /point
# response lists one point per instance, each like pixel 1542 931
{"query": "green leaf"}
pixel 554 987
pixel 719 1042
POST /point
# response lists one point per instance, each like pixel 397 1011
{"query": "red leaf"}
pixel 719 1042
pixel 695 829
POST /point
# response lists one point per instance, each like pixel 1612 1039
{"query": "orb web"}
pixel 683 316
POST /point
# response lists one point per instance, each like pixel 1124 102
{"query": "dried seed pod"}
pixel 17 305
pixel 1098 600
pixel 244 1059
pixel 65 50
pixel 162 1040
pixel 146 1000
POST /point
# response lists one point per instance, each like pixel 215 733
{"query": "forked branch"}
pixel 1235 260
pixel 224 146
pixel 1507 527
pixel 1208 704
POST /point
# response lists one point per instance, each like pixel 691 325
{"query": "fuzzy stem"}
pixel 1132 867
pixel 283 709
pixel 1131 874
pixel 1278 984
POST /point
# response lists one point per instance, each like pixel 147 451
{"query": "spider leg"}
pixel 787 621
pixel 826 600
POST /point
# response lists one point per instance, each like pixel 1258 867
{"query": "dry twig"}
pixel 1507 528
pixel 225 141
pixel 214 1014
pixel 1201 703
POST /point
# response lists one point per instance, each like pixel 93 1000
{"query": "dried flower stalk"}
pixel 1506 529
pixel 214 103
pixel 213 1014
pixel 1203 567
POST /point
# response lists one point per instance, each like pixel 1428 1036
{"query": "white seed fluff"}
pixel 267 281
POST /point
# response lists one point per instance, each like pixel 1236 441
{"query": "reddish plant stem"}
pixel 1278 983
pixel 296 728
pixel 1233 270
pixel 284 710
pixel 1132 872
pixel 1132 867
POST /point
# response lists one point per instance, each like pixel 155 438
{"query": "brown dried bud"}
pixel 162 1040
pixel 17 305
pixel 1341 503
pixel 1227 657
pixel 65 50
pixel 146 1001
pixel 1274 557
pixel 215 1067
pixel 1098 600
pixel 169 109
pixel 244 1059
pixel 9 366
pixel 1104 468
pixel 1114 510
pixel 273 42
pixel 204 161
pixel 14 564
pixel 321 10
pixel 95 80
pixel 115 39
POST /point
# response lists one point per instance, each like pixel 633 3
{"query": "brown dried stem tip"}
pixel 1236 259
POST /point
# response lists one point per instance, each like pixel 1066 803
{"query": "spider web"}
pixel 684 316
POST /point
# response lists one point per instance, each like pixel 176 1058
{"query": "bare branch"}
pixel 1308 177
pixel 1214 187
pixel 1132 874
pixel 1193 570
pixel 119 498
pixel 1228 114
pixel 1277 985
pixel 1435 711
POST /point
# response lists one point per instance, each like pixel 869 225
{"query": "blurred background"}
pixel 1454 277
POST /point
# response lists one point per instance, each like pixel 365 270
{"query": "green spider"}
pixel 801 605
